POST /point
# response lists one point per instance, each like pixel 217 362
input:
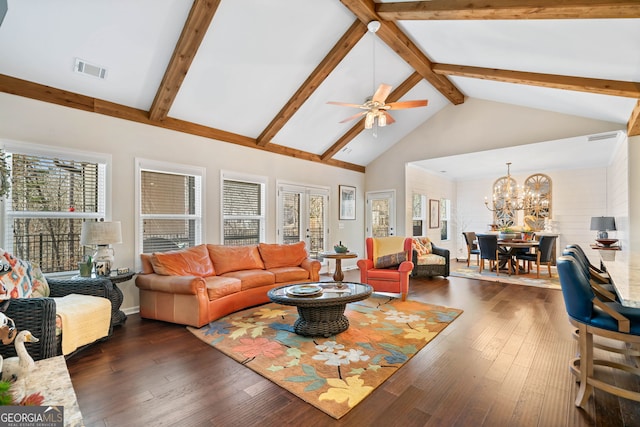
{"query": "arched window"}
pixel 537 209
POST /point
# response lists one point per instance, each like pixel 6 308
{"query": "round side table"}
pixel 338 275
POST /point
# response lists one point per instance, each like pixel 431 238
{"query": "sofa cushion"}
pixel 219 286
pixel 253 278
pixel 431 259
pixel 289 274
pixel 192 261
pixel 391 260
pixel 422 245
pixel 275 255
pixel 40 285
pixel 18 282
pixel 235 258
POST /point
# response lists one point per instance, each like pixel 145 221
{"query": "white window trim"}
pixel 22 147
pixel 166 167
pixel 244 177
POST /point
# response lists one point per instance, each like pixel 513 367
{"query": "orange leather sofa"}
pixel 197 285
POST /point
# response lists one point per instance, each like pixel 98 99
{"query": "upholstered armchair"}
pixel 388 264
pixel 429 259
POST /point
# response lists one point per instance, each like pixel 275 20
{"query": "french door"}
pixel 302 216
pixel 381 213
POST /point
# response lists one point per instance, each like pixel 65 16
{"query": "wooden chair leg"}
pixel 468 259
pixel 586 366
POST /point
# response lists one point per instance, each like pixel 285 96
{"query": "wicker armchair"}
pixel 429 269
pixel 38 315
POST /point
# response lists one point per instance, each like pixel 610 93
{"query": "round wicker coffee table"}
pixel 322 314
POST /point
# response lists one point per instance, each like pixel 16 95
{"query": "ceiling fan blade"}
pixel 355 116
pixel 406 104
pixel 382 93
pixel 345 104
pixel 390 120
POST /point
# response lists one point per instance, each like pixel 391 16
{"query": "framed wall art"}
pixel 347 201
pixel 434 213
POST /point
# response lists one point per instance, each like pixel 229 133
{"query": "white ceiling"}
pixel 257 53
pixel 580 152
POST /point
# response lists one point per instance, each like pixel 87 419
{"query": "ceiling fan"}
pixel 376 108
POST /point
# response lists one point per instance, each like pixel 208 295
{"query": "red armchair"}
pixel 394 279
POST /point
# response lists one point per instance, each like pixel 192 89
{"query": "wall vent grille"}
pixel 87 69
pixel 602 136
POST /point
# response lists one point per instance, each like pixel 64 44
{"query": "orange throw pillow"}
pixel 193 261
pixel 275 255
pixel 235 258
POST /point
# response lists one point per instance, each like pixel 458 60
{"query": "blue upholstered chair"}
pixel 542 255
pixel 472 246
pixel 605 290
pixel 489 250
pixel 596 273
pixel 593 316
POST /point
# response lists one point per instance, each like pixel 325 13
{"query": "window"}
pixel 243 207
pixel 419 212
pixel 170 206
pixel 52 193
pixel 445 205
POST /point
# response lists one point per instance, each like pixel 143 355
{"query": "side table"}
pixel 118 317
pixel 338 275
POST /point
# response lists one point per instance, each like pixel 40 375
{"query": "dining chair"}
pixel 472 246
pixel 542 255
pixel 595 317
pixel 489 250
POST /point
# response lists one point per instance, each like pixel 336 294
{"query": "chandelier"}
pixel 507 195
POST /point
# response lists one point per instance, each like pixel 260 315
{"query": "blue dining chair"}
pixel 595 317
pixel 489 250
pixel 542 255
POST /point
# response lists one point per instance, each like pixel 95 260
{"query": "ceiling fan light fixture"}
pixel 368 120
pixel 382 119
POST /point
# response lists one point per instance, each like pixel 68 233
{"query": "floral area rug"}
pixel 336 373
pixel 471 272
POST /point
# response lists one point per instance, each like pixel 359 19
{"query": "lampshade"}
pixel 603 223
pixel 100 233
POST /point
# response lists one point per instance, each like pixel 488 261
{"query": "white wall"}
pixel 424 182
pixel 634 192
pixel 38 122
pixel 476 125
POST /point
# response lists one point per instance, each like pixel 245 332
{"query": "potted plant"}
pixel 506 233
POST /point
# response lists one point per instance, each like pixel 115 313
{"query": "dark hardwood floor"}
pixel 503 362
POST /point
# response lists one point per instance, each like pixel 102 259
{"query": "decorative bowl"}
pixel 341 249
pixel 606 242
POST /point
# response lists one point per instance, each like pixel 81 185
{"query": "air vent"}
pixel 83 67
pixel 602 136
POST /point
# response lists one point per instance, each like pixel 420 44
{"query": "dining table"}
pixel 511 247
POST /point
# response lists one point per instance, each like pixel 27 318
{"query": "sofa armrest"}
pixel 190 285
pixel 313 267
pixel 405 266
pixel 365 264
pixel 37 315
pixel 440 251
pixel 94 286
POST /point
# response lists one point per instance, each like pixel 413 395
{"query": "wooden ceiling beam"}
pixel 580 84
pixel 633 126
pixel 52 95
pixel 389 33
pixel 193 33
pixel 355 130
pixel 328 64
pixel 508 9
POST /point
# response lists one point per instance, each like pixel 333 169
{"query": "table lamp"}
pixel 602 224
pixel 101 234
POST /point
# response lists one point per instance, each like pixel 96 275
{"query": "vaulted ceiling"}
pixel 260 73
